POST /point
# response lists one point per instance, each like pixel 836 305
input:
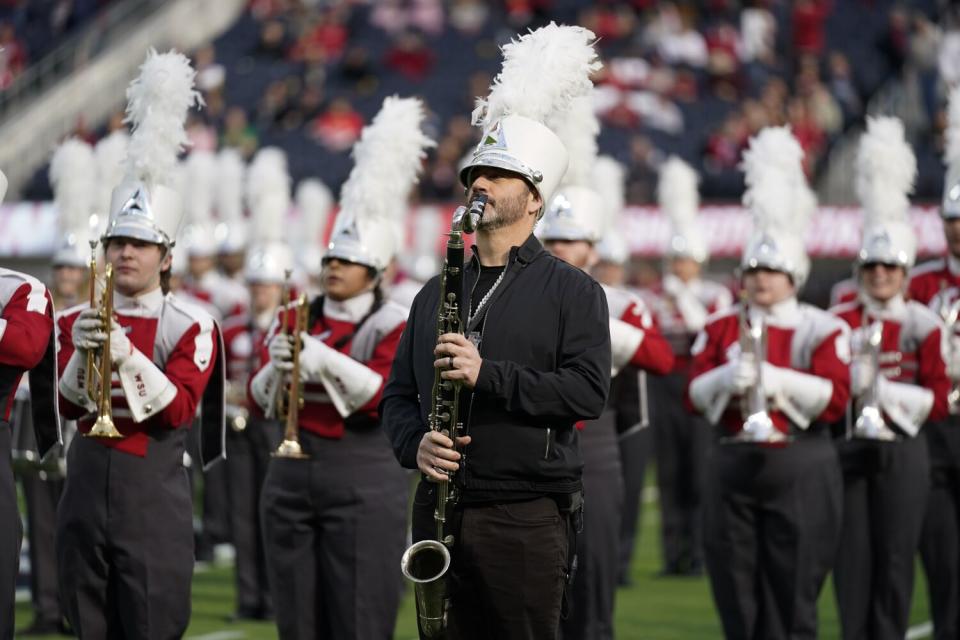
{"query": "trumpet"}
pixel 757 424
pixel 870 424
pixel 290 401
pixel 99 377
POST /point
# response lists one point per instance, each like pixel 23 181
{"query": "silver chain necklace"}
pixel 483 301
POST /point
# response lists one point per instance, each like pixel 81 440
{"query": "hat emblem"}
pixel 494 138
pixel 137 204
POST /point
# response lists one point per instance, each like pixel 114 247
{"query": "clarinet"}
pixel 426 563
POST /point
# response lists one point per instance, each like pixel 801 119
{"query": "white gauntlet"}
pixel 146 387
pixel 801 396
pixel 350 384
pixel 710 392
pixel 264 387
pixel 907 405
pixel 73 382
pixel 625 339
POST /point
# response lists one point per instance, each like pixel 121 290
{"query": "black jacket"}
pixel 546 365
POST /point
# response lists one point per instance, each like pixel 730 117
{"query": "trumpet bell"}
pixel 426 564
pixel 870 425
pixel 758 428
pixel 104 428
pixel 290 449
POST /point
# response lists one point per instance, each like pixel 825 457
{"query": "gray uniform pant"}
pixel 125 540
pixel 940 538
pixel 885 490
pixel 772 518
pixel 595 584
pixel 334 528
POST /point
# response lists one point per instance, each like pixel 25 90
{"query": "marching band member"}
pixel 334 523
pixel 937 284
pixel 205 280
pixel 684 301
pixel 573 223
pixel 773 498
pixel 629 392
pixel 73 178
pixel 26 346
pixel 251 438
pixel 533 360
pixel 898 380
pixel 125 522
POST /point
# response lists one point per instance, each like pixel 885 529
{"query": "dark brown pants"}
pixel 509 568
pixel 10 535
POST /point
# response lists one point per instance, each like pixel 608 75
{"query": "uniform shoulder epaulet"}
pixel 720 314
pixel 186 314
pixel 844 307
pixel 619 300
pixel 234 321
pixel 923 317
pixel 384 321
pixel 825 322
pixel 930 266
pixel 11 280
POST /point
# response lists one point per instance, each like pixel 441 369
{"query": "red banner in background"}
pixel 29 230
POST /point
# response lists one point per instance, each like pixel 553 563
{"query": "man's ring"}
pixel 450 362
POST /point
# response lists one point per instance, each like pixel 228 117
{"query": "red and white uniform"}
pixel 927 280
pixel 844 291
pixel 373 345
pixel 800 338
pixel 646 348
pixel 181 340
pixel 243 337
pixel 26 328
pixel 682 310
pixel 227 295
pixel 911 348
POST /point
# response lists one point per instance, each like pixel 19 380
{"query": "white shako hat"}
pixel 679 201
pixel 886 170
pixel 422 261
pixel 950 206
pixel 143 205
pixel 609 177
pixel 387 159
pixel 268 198
pixel 110 156
pixel 231 229
pixel 543 71
pixel 199 183
pixel 314 204
pixel 780 202
pixel 71 176
pixel 576 211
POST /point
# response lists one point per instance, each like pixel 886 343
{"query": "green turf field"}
pixel 654 608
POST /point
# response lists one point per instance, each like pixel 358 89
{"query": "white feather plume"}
pixel 387 160
pixel 231 171
pixel 578 128
pixel 777 193
pixel 677 193
pixel 886 171
pixel 609 178
pixel 268 195
pixel 157 105
pixel 542 72
pixel 314 201
pixel 199 185
pixel 952 134
pixel 72 176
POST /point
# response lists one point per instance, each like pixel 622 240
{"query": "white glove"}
pixel 281 352
pixel 349 383
pixel 88 330
pixel 907 405
pixel 863 371
pixel 120 346
pixel 801 396
pixel 744 373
